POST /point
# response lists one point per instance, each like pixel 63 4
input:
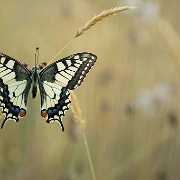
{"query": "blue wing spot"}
pixel 16 111
pixel 63 96
pixel 58 107
pixel 5 88
pixel 9 105
pixel 5 93
pixel 61 103
pixel 6 100
pixel 55 111
pixel 50 112
pixel 64 89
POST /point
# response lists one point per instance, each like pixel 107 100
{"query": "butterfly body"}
pixel 53 82
pixel 35 78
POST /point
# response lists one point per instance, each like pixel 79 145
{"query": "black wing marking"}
pixel 57 78
pixel 15 83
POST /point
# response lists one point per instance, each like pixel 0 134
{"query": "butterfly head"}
pixel 35 69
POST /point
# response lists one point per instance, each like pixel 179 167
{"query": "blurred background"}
pixel 130 99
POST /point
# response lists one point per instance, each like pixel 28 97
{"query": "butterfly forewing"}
pixel 15 84
pixel 69 71
pixel 57 78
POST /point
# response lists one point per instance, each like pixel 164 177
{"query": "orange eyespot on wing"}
pixel 22 112
pixel 44 113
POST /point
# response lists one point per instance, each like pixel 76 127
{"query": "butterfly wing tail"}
pixel 58 120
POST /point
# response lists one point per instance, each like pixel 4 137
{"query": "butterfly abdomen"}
pixel 34 91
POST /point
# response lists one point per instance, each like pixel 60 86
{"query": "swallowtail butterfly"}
pixel 53 82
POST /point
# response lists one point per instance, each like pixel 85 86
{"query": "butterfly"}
pixel 53 82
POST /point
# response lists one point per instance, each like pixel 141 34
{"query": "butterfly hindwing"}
pixel 54 102
pixel 57 78
pixel 15 84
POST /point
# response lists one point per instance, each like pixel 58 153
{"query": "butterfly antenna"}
pixel 36 56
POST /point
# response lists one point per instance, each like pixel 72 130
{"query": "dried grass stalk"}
pixel 100 17
pixel 77 111
pixel 78 118
pixel 93 21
